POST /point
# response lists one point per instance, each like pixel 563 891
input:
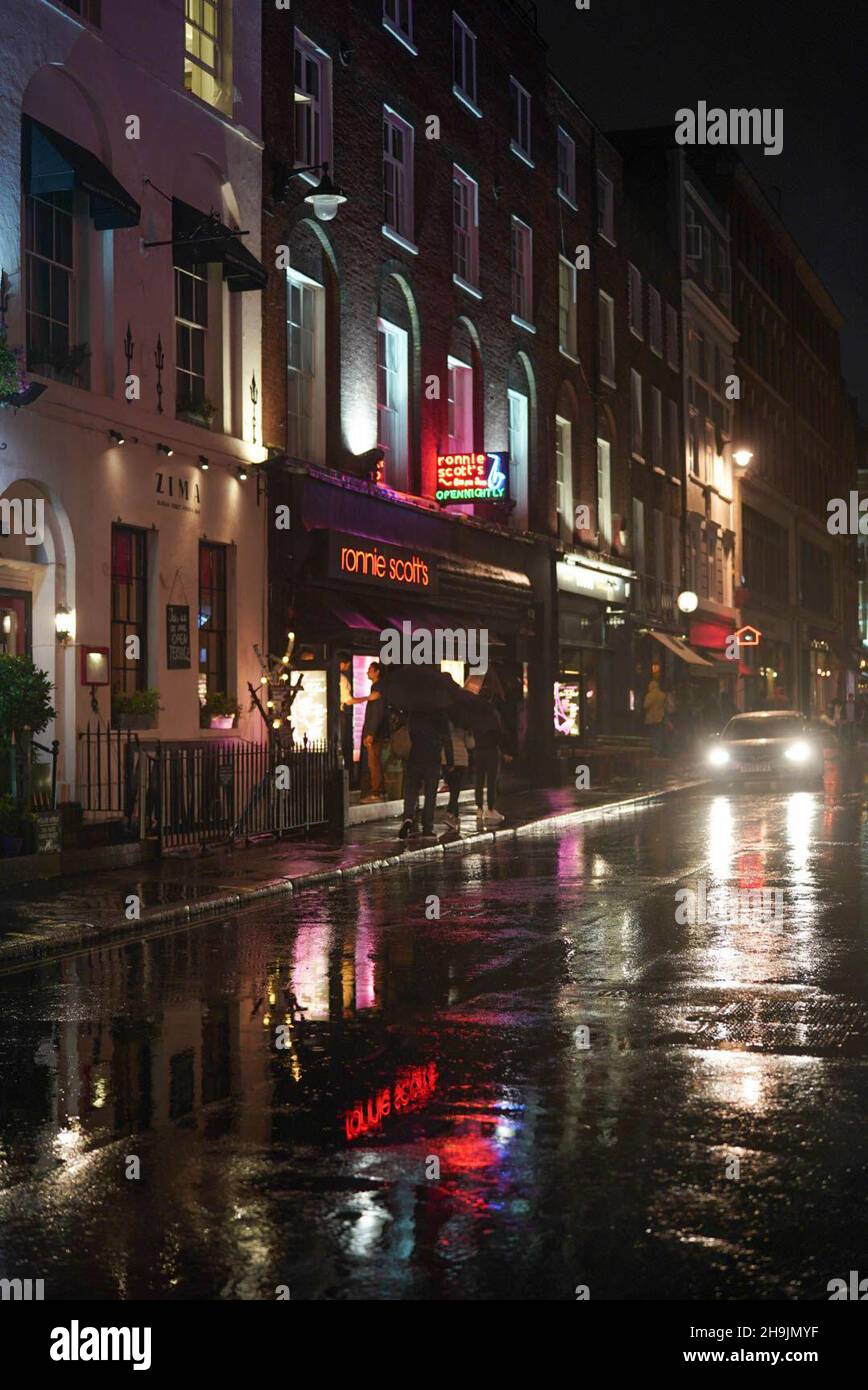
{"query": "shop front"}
pixel 590 692
pixel 361 576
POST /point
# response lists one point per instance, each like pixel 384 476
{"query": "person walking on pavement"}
pixel 654 707
pixel 462 743
pixel 374 732
pixel 429 736
pixel 489 743
pixel 346 711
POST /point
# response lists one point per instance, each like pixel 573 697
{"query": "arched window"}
pixel 397 384
pixel 306 347
pixel 566 445
pixel 520 402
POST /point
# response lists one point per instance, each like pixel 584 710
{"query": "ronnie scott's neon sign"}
pixel 412 1087
pixel 472 477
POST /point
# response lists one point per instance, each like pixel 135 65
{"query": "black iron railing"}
pixel 201 792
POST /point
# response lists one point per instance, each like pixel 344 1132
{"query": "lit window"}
pixel 518 455
pixel 567 317
pixel 520 104
pixel 211 635
pixel 564 479
pixel 305 344
pixel 634 300
pixel 522 271
pixel 392 402
pixel 460 425
pixel 312 103
pixel 604 492
pixel 398 19
pixel 191 329
pixel 203 44
pixel 605 208
pixel 567 166
pixel 636 413
pixel 464 62
pixel 655 321
pixel 607 338
pixel 397 175
pixel 465 223
pixel 673 355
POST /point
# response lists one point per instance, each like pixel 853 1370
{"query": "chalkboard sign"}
pixel 178 636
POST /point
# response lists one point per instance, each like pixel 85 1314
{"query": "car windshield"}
pixel 787 726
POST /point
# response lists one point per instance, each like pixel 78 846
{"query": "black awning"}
pixel 200 238
pixel 55 164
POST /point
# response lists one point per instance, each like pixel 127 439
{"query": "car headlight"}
pixel 798 752
pixel 718 757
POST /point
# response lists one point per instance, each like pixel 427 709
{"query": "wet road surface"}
pixel 593 1068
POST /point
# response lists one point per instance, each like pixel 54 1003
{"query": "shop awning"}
pixel 200 238
pixel 55 164
pixel 698 664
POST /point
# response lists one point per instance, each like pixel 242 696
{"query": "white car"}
pixel 767 744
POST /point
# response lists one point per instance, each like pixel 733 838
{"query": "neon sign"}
pixel 413 1086
pixel 748 636
pixel 375 562
pixel 472 478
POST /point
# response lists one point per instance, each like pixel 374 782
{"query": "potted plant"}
pixel 25 710
pixel 220 711
pixel 135 709
pixel 66 364
pixel 13 382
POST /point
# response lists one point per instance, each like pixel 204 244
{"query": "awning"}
pixel 200 238
pixel 55 164
pixel 698 663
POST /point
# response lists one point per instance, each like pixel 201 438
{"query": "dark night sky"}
pixel 635 62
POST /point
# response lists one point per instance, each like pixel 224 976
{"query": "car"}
pixel 768 744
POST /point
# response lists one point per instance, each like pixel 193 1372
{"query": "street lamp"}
pixel 742 457
pixel 325 198
pixel 687 601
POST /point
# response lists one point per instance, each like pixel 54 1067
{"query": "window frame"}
pixel 199 275
pixel 564 477
pixel 634 300
pixel 129 626
pixel 220 632
pixel 604 492
pixel 70 271
pixel 316 429
pixel 386 329
pixel 467 45
pixel 459 443
pixel 404 193
pixel 569 349
pixel 470 281
pixel 606 208
pixel 672 338
pixel 520 100
pixel 393 23
pixel 312 54
pixel 215 73
pixel 655 321
pixel 637 431
pixel 605 301
pixel 521 272
pixel 566 142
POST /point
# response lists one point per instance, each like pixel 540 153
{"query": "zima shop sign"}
pixel 385 566
pixel 181 494
pixel 472 478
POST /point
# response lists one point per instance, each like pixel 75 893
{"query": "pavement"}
pixel 45 918
pixel 507 1074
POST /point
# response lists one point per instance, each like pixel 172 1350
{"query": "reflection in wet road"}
pixel 293 1080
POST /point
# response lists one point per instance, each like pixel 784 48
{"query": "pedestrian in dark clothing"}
pixel 346 710
pixel 429 737
pixel 374 733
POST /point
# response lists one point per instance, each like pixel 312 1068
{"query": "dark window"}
pixel 766 557
pixel 191 323
pixel 48 247
pixel 129 608
pixel 816 579
pixel 213 676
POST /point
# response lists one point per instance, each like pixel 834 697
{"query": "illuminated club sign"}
pixel 472 478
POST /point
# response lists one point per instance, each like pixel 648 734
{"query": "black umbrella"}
pixel 470 711
pixel 421 688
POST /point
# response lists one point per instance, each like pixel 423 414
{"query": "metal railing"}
pixel 201 792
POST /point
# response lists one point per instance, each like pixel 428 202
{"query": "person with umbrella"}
pixel 429 737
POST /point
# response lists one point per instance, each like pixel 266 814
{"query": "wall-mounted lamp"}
pixel 325 198
pixel 241 473
pixel 64 624
pixel 116 437
pixel 742 457
pixel 165 449
pixel 203 463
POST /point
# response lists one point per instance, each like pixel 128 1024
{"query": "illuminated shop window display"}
pixel 309 709
pixel 567 707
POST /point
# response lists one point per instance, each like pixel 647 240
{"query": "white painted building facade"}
pixel 117 130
